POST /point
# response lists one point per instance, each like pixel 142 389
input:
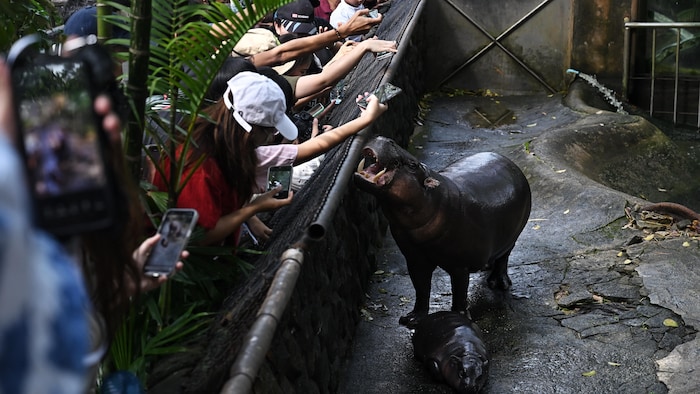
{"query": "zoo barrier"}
pixel 653 26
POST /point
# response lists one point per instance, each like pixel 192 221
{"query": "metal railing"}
pixel 653 26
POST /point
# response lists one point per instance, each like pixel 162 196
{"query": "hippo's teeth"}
pixel 361 166
pixel 379 174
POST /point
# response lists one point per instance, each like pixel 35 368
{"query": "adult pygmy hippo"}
pixel 451 349
pixel 463 219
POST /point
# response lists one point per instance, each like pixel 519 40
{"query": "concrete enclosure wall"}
pixel 547 37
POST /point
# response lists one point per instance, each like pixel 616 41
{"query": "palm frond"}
pixel 185 54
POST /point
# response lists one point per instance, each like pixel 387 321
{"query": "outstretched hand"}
pixel 267 201
pixel 376 45
pixel 359 23
pixel 374 107
pixel 140 256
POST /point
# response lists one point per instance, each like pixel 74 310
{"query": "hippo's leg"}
pixel 498 278
pixel 460 287
pixel 421 274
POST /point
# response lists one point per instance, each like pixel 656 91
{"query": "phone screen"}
pixel 316 110
pixel 55 108
pixel 277 176
pixel 175 231
pixel 62 144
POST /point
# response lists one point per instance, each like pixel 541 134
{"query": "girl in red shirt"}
pixel 223 161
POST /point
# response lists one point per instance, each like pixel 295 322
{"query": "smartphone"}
pixel 280 175
pixel 373 13
pixel 64 147
pixel 175 231
pixel 384 93
pixel 384 55
pixel 316 110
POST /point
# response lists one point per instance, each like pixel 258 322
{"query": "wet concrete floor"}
pixel 587 313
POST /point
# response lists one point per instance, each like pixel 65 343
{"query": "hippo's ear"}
pixel 431 182
pixel 434 369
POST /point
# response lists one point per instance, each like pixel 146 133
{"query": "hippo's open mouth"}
pixel 373 170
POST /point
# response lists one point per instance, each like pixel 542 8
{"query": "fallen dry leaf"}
pixel 686 244
pixel 670 323
pixel 588 374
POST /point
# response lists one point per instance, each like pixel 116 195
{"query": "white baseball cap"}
pixel 257 100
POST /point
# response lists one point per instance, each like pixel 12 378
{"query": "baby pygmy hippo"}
pixel 450 347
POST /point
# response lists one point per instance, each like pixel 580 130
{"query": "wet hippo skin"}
pixel 463 219
pixel 450 347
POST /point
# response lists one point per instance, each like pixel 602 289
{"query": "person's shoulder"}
pixel 276 155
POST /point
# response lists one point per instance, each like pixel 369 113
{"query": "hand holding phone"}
pixel 384 93
pixel 175 231
pixel 280 176
pixel 65 148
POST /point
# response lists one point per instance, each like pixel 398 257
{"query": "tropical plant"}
pixel 21 17
pixel 173 54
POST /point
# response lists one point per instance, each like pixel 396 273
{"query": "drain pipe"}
pixel 257 342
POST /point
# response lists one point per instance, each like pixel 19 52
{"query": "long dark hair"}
pixel 219 136
pixel 108 266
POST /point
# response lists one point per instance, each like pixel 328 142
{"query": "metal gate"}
pixel 513 46
pixel 683 89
